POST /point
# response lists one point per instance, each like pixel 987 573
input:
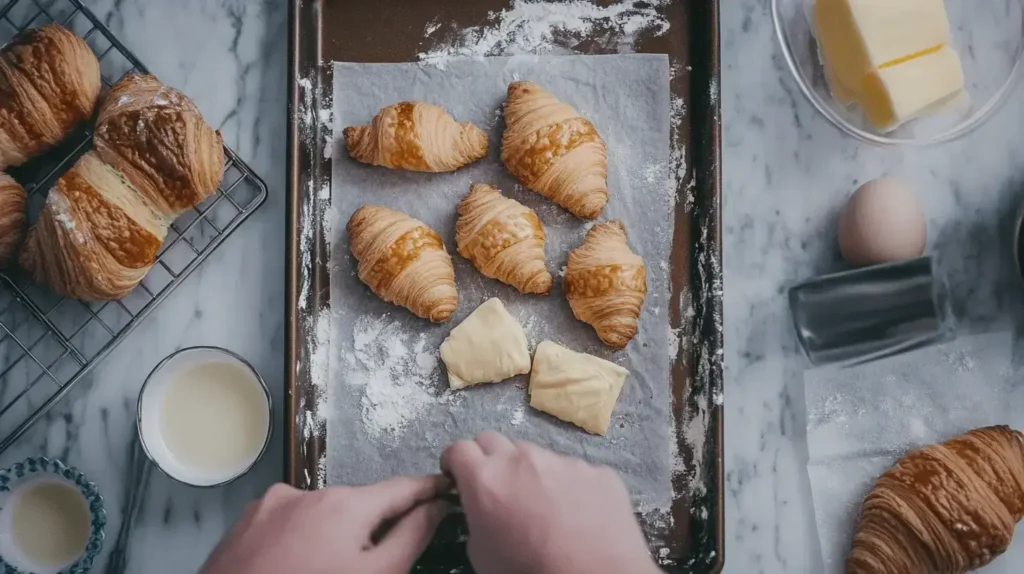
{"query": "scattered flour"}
pixel 397 374
pixel 531 27
pixel 518 414
pixel 315 419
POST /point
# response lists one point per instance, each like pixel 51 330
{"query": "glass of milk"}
pixel 204 416
pixel 51 518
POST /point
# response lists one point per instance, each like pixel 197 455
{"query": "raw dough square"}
pixel 487 347
pixel 575 387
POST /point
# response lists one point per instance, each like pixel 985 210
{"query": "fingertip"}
pixel 492 442
pixel 460 458
pixel 407 540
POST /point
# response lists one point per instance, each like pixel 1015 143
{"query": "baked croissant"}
pixel 96 236
pixel 157 138
pixel 554 151
pixel 12 217
pixel 947 508
pixel 49 82
pixel 105 220
pixel 503 239
pixel 418 137
pixel 403 261
pixel 605 283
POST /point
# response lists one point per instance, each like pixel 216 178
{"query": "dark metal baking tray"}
pixel 324 31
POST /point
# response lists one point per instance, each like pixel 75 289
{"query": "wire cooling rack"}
pixel 47 343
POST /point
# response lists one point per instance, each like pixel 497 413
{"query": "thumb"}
pixel 407 539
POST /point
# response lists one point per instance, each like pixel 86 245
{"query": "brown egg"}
pixel 12 217
pixel 882 222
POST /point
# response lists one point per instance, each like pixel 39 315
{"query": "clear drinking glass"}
pixel 866 314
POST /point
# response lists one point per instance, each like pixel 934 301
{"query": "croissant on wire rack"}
pixel 12 217
pixel 49 82
pixel 503 238
pixel 416 136
pixel 403 261
pixel 554 151
pixel 948 507
pixel 157 138
pixel 105 220
pixel 605 283
pixel 96 236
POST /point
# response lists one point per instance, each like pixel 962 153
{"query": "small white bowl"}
pixel 149 413
pixel 989 36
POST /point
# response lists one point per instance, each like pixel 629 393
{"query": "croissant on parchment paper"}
pixel 403 261
pixel 503 239
pixel 554 151
pixel 49 82
pixel 12 217
pixel 416 136
pixel 605 283
pixel 105 220
pixel 947 508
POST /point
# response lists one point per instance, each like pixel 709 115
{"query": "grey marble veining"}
pixel 230 57
pixel 786 174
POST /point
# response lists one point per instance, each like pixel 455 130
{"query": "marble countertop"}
pixel 787 173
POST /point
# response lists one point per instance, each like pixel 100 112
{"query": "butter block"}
pixel 899 92
pixel 858 36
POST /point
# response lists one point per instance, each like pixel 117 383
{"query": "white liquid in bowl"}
pixel 204 417
pixel 214 418
pixel 47 525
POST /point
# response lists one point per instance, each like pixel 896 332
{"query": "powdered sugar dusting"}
pixel 532 27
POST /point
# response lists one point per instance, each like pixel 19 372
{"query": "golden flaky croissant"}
pixel 416 136
pixel 605 283
pixel 49 82
pixel 947 508
pixel 12 217
pixel 96 236
pixel 403 261
pixel 157 138
pixel 503 238
pixel 105 220
pixel 554 151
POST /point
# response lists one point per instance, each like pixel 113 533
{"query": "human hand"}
pixel 334 529
pixel 531 510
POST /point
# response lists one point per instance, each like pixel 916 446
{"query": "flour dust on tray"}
pixel 397 373
pixel 531 27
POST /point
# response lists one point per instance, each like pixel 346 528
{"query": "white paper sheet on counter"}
pixel 389 411
pixel 862 419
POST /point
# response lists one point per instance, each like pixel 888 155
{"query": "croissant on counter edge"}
pixel 949 507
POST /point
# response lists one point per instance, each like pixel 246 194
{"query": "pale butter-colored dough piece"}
pixel 575 387
pixel 487 347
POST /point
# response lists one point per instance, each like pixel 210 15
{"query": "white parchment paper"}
pixel 389 410
pixel 862 419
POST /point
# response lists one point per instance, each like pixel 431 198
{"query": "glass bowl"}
pixel 988 35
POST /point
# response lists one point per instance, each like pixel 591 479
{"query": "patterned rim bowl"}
pixel 41 467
